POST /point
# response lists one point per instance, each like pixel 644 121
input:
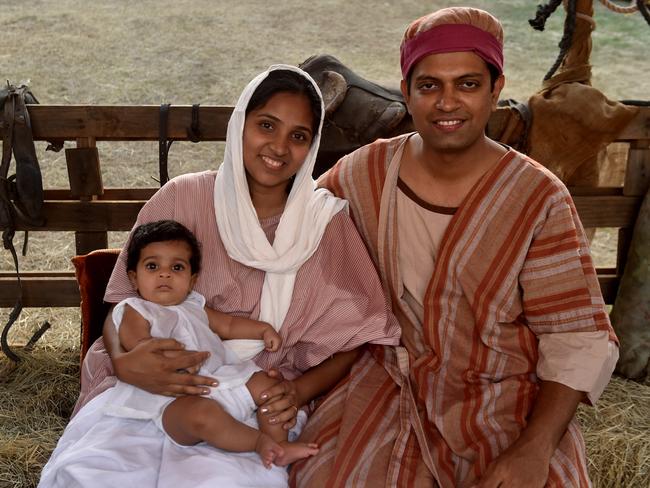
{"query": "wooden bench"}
pixel 90 210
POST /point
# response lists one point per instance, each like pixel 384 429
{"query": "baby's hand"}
pixel 272 339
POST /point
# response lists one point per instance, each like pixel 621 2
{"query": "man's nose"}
pixel 447 100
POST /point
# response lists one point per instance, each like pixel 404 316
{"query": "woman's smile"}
pixel 273 163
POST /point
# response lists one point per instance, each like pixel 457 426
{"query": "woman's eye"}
pixel 266 125
pixel 300 136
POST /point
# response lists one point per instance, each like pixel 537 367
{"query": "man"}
pixel 486 266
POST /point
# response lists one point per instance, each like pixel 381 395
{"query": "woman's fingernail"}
pixel 264 410
pixel 205 391
pixel 273 420
pixel 264 396
pixel 214 383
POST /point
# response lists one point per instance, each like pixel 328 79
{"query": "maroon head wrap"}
pixel 448 38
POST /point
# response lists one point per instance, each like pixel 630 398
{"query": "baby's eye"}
pixel 151 266
pixel 178 267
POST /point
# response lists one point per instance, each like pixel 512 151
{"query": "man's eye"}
pixel 427 86
pixel 469 84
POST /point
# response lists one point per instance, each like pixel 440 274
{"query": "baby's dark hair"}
pixel 283 81
pixel 161 231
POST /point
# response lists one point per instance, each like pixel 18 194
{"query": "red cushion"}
pixel 93 271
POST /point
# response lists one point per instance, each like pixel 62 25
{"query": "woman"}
pixel 275 249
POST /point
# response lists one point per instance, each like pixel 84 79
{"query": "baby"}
pixel 163 261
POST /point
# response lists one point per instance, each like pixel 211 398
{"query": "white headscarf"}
pixel 306 214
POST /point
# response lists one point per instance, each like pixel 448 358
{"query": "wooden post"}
pixel 637 182
pixel 85 178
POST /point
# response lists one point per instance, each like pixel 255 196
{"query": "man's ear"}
pixel 498 86
pixel 403 86
pixel 132 278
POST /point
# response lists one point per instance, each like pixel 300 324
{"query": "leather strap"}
pixel 163 144
pixel 193 131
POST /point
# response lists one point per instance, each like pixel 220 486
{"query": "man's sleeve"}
pixel 583 361
pixel 563 304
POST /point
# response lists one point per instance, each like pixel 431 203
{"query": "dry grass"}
pixel 200 51
pixel 617 435
pixel 37 399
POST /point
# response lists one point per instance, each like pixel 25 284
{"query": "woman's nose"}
pixel 279 145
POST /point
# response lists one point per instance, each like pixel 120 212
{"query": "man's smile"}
pixel 448 125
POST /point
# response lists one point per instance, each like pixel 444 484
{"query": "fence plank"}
pixel 105 215
pixel 140 123
pixel 607 211
pixel 63 291
pixel 124 122
pixel 59 291
pixel 92 216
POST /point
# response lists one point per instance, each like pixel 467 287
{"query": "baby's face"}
pixel 163 274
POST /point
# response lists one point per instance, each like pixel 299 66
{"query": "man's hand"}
pixel 272 339
pixel 526 462
pixel 522 464
pixel 163 366
pixel 281 402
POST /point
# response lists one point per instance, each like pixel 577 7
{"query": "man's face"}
pixel 451 100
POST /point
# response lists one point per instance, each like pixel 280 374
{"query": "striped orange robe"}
pixel 513 264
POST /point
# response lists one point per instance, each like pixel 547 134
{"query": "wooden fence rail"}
pixel 90 210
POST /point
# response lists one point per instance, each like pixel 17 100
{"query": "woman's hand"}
pixel 163 366
pixel 281 401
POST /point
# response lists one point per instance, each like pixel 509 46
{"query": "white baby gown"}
pixel 115 439
pixel 188 324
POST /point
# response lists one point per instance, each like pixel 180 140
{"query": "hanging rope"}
pixel 543 13
pixel 634 6
pixel 629 9
pixel 538 23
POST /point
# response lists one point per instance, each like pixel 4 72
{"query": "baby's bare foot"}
pixel 268 450
pixel 294 451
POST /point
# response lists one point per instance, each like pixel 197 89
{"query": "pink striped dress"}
pixel 337 305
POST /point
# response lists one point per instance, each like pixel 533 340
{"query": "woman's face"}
pixel 277 138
